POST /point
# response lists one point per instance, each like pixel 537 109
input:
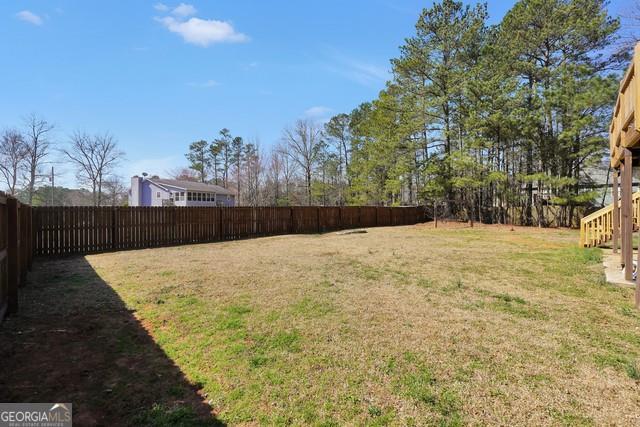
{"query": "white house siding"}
pixel 225 200
pixel 145 192
pixel 155 190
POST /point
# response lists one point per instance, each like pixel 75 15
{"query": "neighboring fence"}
pixel 16 251
pixel 82 230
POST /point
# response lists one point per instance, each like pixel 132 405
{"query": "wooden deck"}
pixel 624 131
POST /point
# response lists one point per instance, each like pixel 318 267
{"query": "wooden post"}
pixel 13 254
pixel 627 216
pixel 621 214
pixel 114 228
pixel 30 236
pixel 616 211
pixel 637 278
pixel 435 214
pixel 22 243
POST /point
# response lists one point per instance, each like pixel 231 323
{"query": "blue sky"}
pixel 159 75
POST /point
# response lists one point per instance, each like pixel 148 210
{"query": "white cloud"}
pixel 366 73
pixel 184 10
pixel 30 17
pixel 362 72
pixel 207 84
pixel 161 7
pixel 203 32
pixel 317 111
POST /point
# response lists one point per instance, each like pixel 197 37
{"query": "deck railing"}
pixel 597 228
pixel 624 131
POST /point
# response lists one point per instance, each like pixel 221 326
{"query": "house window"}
pixel 158 194
pixel 189 196
pixel 182 195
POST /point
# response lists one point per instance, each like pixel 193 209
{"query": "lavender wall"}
pixel 149 190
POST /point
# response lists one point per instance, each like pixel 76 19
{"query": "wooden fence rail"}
pixel 82 230
pixel 16 251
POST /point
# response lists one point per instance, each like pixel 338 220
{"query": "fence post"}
pixel 29 241
pixel 114 228
pixel 291 221
pixel 220 212
pixel 377 209
pixel 13 254
pixel 318 218
pixel 22 243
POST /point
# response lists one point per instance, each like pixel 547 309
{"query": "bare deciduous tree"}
pixel 94 157
pixel 289 171
pixel 274 174
pixel 38 142
pixel 183 174
pixel 253 173
pixel 303 142
pixel 115 191
pixel 13 154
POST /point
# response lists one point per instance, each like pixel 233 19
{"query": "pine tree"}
pixel 199 159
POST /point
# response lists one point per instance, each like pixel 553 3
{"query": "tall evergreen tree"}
pixel 199 159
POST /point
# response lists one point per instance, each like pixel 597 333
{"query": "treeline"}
pixel 494 123
pixel 29 152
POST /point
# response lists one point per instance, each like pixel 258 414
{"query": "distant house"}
pixel 170 192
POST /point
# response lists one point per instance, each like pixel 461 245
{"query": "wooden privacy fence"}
pixel 82 230
pixel 16 251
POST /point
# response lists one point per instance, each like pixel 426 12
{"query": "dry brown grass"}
pixel 509 327
pixel 405 325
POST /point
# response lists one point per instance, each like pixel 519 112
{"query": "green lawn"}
pixel 399 326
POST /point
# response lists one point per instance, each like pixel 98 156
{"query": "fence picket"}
pixel 81 230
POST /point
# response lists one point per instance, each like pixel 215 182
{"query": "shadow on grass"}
pixel 75 341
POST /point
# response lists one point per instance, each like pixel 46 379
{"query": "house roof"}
pixel 191 186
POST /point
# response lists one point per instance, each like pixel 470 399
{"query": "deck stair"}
pixel 597 228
